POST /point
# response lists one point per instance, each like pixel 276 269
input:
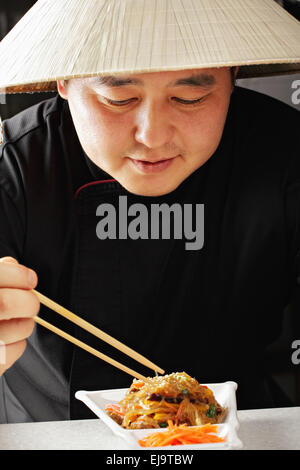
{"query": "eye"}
pixel 120 103
pixel 187 102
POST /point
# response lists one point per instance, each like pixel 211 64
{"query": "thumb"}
pixel 8 259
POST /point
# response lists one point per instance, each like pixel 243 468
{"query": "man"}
pixel 185 138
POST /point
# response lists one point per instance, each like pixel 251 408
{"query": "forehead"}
pixel 204 78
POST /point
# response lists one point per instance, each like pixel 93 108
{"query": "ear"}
pixel 62 89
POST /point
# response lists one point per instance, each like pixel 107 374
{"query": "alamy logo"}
pixel 296 354
pixel 296 93
pixel 162 221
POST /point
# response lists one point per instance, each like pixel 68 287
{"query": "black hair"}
pixel 232 72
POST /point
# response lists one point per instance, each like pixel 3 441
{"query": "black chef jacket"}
pixel 209 312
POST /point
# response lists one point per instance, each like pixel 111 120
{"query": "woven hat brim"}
pixel 63 39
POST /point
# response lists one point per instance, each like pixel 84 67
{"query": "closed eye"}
pixel 131 100
pixel 187 102
pixel 120 103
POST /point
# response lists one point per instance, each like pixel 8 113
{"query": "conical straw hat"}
pixel 61 39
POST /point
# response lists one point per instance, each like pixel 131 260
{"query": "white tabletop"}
pixel 269 429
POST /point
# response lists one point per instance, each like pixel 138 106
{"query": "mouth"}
pixel 146 166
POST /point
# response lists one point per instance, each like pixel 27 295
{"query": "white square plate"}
pixel 223 392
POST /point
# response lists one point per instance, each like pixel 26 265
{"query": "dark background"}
pixel 285 376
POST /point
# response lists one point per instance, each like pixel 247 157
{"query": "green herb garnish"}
pixel 163 425
pixel 211 411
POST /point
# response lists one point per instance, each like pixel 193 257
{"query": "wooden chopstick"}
pixel 89 349
pixel 96 332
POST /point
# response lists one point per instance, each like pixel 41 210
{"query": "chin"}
pixel 152 193
pixel 148 189
pixel 151 187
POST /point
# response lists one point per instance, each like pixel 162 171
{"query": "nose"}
pixel 154 128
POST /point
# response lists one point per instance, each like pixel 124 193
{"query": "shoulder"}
pixel 29 122
pixel 264 114
pixel 266 132
pixel 30 138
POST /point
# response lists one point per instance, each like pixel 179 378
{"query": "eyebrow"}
pixel 201 80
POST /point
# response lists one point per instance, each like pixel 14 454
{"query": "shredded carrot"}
pixel 115 408
pixel 138 384
pixel 182 435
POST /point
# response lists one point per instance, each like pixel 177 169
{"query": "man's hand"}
pixel 18 306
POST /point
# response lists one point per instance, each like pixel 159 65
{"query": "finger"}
pixel 10 353
pixel 16 275
pixel 8 259
pixel 16 329
pixel 18 303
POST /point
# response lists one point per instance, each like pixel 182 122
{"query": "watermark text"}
pixel 161 221
pixel 296 94
pixel 296 354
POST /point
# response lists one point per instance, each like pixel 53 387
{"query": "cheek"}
pixel 98 133
pixel 204 133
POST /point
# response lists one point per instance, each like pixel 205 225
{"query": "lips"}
pixel 146 166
